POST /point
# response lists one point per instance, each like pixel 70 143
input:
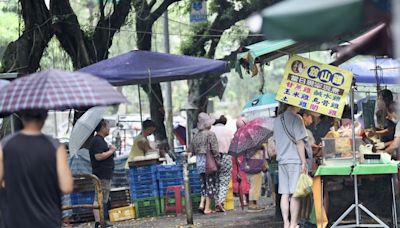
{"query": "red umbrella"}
pixel 57 90
pixel 251 136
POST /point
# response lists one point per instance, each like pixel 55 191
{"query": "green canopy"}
pixel 312 19
pixel 265 51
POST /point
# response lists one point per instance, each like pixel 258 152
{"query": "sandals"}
pixel 219 208
pixel 208 213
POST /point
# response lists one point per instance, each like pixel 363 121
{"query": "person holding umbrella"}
pixel 34 173
pixel 102 159
pixel 289 135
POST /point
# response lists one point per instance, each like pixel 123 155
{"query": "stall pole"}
pixel 140 104
pixel 356 205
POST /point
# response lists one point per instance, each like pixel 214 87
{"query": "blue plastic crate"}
pixel 195 188
pixel 136 178
pixel 140 194
pixel 170 175
pixel 82 198
pixel 144 187
pixel 143 169
pixel 171 182
pixel 166 168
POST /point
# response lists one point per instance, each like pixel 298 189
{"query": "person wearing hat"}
pixel 205 140
pixel 224 137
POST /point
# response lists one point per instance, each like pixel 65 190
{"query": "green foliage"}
pixel 8 25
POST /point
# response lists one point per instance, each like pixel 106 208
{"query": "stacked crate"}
pixel 82 214
pixel 83 194
pixel 169 175
pixel 120 197
pixel 194 180
pixel 144 190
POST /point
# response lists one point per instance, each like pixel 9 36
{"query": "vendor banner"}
pixel 315 86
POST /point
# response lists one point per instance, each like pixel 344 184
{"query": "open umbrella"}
pixel 84 127
pixel 251 136
pixel 57 90
pixel 260 105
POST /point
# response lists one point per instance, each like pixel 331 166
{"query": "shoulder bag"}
pixel 212 165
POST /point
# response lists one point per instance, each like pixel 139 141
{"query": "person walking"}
pixel 255 176
pixel 224 137
pixel 102 160
pixel 243 185
pixel 289 135
pixel 34 174
pixel 205 142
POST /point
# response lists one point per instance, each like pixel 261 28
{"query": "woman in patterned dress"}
pixel 205 140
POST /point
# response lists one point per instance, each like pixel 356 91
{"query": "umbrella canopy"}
pixel 382 71
pixel 259 106
pixel 3 83
pixel 57 90
pixel 84 127
pixel 251 136
pixel 141 67
pixel 316 19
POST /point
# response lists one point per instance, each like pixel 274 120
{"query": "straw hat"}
pixel 204 121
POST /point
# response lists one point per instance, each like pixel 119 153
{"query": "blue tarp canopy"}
pixel 142 67
pixel 384 71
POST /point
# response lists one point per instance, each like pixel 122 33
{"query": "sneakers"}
pixel 97 225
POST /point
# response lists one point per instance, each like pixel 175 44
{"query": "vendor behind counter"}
pixel 141 144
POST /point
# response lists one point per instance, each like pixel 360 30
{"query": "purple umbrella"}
pixel 57 90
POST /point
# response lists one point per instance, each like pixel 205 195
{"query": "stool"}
pixel 178 199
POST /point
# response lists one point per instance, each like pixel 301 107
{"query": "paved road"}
pixel 235 218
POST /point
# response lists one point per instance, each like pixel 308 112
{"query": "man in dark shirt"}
pixel 102 159
pixel 34 173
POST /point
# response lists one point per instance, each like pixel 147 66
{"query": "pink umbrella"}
pixel 57 90
pixel 251 136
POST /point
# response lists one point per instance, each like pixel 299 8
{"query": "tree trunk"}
pixel 23 55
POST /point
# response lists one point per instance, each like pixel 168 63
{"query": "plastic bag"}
pixel 304 186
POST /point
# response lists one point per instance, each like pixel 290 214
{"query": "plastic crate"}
pixel 122 213
pixel 171 200
pixel 146 193
pixel 195 188
pixel 82 198
pixel 137 178
pixel 176 174
pixel 143 169
pixel 148 207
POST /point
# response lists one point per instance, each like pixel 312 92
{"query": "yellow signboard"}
pixel 315 86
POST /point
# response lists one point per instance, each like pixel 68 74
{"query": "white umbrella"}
pixel 84 127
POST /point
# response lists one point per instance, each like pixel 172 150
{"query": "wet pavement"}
pixel 234 218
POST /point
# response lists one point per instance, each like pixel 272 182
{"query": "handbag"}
pixel 254 166
pixel 212 165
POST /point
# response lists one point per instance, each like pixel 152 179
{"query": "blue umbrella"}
pixel 383 71
pixel 260 105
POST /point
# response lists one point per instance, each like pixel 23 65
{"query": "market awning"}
pixel 373 71
pixel 265 51
pixel 142 67
pixel 376 41
pixel 318 20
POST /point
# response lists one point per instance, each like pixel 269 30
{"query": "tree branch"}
pixel 161 9
pixel 68 31
pixel 106 28
pixel 24 54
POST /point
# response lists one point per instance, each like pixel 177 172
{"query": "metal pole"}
pixel 55 124
pixel 12 124
pixel 140 104
pixel 188 200
pixel 353 146
pixel 168 89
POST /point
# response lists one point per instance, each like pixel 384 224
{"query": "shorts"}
pixel 288 176
pixel 105 187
